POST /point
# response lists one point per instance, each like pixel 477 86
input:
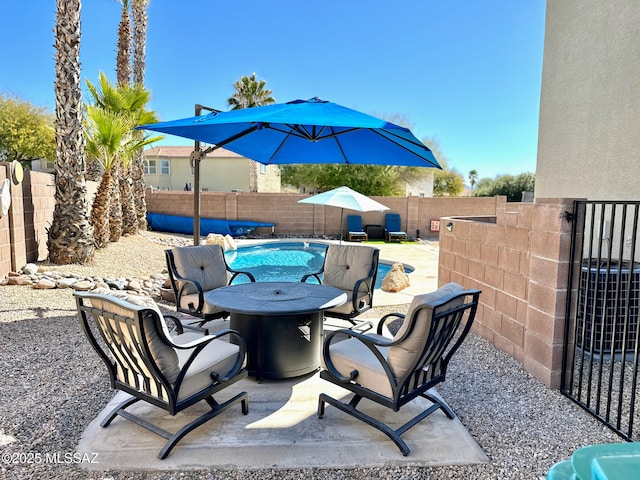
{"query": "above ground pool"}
pixel 285 261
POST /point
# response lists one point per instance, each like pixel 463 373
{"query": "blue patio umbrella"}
pixel 301 131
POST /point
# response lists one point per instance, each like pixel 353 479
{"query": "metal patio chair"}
pixel 195 270
pixel 131 337
pixel 352 269
pixel 394 371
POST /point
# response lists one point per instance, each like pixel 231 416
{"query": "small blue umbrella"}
pixel 301 131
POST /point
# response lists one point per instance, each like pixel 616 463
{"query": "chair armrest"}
pixel 370 342
pixel 235 273
pixel 366 281
pixel 199 345
pixel 388 316
pixel 197 286
pixel 309 275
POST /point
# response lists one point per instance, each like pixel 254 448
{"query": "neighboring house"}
pixel 422 187
pixel 169 168
pixel 43 165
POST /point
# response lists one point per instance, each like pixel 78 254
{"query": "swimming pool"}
pixel 285 261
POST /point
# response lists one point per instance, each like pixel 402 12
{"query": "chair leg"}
pixel 350 409
pixel 118 410
pixel 174 438
pixel 216 409
pixel 441 404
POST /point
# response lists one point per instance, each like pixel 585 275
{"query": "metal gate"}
pixel 600 363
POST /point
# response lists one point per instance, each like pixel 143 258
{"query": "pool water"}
pixel 285 261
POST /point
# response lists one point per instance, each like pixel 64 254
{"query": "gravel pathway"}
pixel 54 385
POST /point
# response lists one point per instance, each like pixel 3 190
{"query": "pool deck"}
pixel 423 257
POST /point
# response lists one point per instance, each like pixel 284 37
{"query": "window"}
pixel 50 165
pixel 150 167
pixel 164 167
pixel 263 169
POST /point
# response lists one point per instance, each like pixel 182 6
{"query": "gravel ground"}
pixel 54 385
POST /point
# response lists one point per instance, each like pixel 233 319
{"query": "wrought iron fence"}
pixel 600 363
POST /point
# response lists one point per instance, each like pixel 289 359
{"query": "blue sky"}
pixel 466 73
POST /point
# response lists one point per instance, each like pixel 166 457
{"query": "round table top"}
pixel 271 298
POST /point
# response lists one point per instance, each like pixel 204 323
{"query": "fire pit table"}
pixel 281 323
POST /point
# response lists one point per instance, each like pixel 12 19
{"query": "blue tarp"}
pixel 178 224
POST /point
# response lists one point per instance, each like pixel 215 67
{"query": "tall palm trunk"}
pixel 140 24
pixel 70 238
pixel 123 58
pixel 100 210
pixel 129 217
pixel 115 206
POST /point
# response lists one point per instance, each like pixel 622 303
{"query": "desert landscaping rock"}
pixel 54 385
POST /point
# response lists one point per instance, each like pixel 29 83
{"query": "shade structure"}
pixel 304 131
pixel 301 131
pixel 345 197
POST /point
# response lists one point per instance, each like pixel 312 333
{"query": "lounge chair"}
pixel 195 270
pixel 355 232
pixel 131 337
pixel 392 230
pixel 394 371
pixel 352 269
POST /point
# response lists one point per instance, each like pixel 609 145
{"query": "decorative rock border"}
pixel 32 275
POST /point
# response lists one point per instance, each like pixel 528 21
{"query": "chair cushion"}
pixel 163 354
pixel 202 263
pixel 345 264
pixel 352 354
pixel 402 357
pixel 218 356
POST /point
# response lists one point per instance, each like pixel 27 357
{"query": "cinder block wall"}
pixel 5 239
pixel 519 259
pixel 293 218
pixel 23 231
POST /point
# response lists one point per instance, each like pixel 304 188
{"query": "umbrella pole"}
pixel 341 216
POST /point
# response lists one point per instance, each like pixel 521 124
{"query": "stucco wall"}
pixel 590 101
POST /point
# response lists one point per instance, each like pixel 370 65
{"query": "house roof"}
pixel 185 151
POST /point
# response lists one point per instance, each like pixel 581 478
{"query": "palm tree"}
pixel 140 24
pixel 70 238
pixel 473 178
pixel 106 132
pixel 250 92
pixel 128 104
pixel 123 55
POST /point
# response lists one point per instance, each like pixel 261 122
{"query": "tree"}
pixel 70 238
pixel 508 185
pixel 26 132
pixel 366 179
pixel 447 183
pixel 250 92
pixel 473 178
pixel 140 24
pixel 128 104
pixel 107 134
pixel 123 51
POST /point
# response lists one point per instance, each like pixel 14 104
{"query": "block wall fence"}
pixel 516 253
pixel 520 260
